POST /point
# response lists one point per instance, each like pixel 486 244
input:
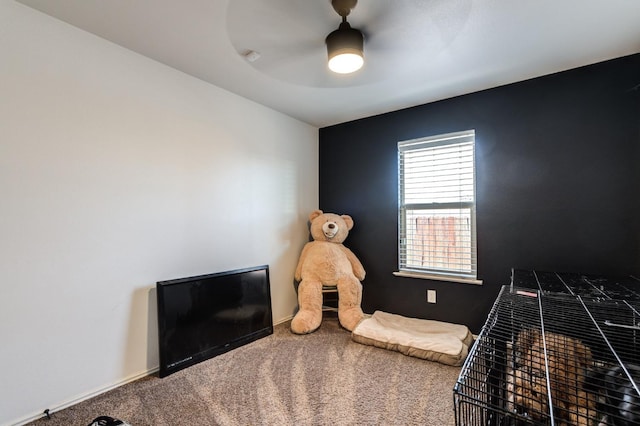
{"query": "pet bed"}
pixel 427 339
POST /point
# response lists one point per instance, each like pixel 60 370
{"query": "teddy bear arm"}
pixel 301 260
pixel 358 269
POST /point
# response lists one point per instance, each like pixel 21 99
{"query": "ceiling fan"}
pixel 291 39
pixel 345 46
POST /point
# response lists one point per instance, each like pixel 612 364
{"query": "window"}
pixel 437 229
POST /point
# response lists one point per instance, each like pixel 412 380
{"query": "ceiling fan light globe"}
pixel 345 48
pixel 346 63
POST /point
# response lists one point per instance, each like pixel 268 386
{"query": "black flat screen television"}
pixel 204 316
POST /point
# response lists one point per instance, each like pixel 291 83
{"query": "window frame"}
pixel 459 275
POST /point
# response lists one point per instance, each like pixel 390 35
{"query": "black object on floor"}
pixel 107 421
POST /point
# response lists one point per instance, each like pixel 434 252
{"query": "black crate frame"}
pixel 570 311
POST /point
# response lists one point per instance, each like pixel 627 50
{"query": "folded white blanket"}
pixel 427 339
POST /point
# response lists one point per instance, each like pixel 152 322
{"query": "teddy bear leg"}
pixel 309 315
pixel 349 299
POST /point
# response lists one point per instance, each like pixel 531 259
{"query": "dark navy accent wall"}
pixel 558 184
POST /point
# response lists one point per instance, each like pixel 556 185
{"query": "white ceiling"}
pixel 416 51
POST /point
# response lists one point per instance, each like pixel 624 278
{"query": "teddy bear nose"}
pixel 332 225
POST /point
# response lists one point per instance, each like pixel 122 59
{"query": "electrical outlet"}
pixel 431 296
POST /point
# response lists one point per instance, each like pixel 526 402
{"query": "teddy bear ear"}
pixel 315 214
pixel 347 219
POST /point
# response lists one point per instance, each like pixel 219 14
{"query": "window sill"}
pixel 435 277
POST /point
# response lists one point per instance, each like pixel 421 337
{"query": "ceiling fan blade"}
pixel 289 36
pixel 424 26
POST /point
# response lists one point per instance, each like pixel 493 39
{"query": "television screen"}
pixel 207 315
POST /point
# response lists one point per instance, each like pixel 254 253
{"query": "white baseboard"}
pixel 283 320
pixel 84 397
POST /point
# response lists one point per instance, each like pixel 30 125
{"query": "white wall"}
pixel 117 172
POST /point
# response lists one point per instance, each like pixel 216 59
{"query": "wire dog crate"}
pixel 556 349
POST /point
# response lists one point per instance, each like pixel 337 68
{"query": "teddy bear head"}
pixel 329 226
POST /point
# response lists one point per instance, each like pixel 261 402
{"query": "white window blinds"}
pixel 437 205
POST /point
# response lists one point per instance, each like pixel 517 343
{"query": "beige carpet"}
pixel 323 378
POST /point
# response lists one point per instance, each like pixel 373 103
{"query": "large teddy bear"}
pixel 325 261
